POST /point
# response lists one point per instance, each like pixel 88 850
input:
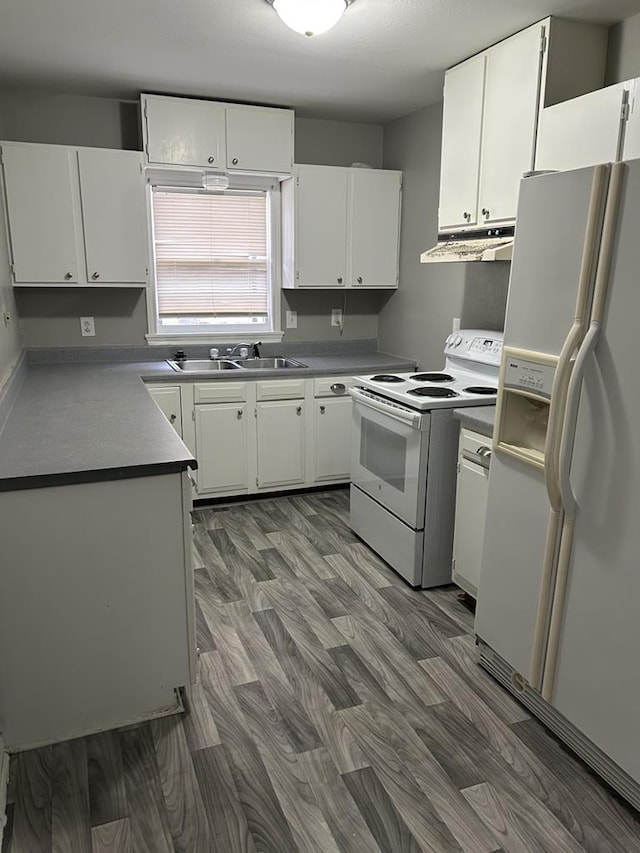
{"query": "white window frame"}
pixel 193 178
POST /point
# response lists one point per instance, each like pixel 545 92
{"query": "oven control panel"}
pixel 473 345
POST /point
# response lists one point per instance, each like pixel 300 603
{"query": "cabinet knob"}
pixel 485 212
pixel 211 159
pixel 235 161
pixel 299 410
pixel 240 413
pixel 68 276
pixel 466 216
pixel 172 418
pixel 338 388
pixel 359 279
pixel 95 275
pixel 339 279
pixel 322 410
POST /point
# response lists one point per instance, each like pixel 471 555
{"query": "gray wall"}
pixel 623 61
pixel 416 320
pixel 51 317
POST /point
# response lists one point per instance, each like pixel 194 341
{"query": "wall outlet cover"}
pixel 87 327
pixel 292 320
pixel 455 326
pixel 336 316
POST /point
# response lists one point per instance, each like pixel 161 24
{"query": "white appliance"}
pixel 404 449
pixel 557 612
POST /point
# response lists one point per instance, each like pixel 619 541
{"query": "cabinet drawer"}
pixel 284 389
pixel 220 392
pixel 332 386
pixel 475 447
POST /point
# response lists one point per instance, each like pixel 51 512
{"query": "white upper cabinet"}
pixel 75 216
pixel 510 119
pixel 492 105
pixel 39 190
pixel 341 227
pixel 583 131
pixel 218 136
pixel 321 226
pixel 185 132
pixel 461 137
pixel 113 215
pixel 374 227
pixel 631 147
pixel 259 139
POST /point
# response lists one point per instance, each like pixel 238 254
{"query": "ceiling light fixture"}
pixel 310 17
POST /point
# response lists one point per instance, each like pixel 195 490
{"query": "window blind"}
pixel 211 254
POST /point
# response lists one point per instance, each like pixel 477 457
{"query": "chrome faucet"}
pixel 243 350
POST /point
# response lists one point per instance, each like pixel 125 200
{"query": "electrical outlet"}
pixel 292 319
pixel 455 326
pixel 336 316
pixel 87 327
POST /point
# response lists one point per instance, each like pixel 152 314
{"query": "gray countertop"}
pixel 479 418
pixel 73 423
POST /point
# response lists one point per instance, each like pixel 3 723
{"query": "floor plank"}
pixel 113 837
pixel 70 822
pixel 107 796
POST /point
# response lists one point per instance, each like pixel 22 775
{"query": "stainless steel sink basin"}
pixel 270 363
pixel 202 365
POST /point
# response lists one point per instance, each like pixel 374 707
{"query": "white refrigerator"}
pixel 558 614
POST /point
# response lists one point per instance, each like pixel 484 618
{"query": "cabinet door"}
pixel 168 399
pixel 281 448
pixel 374 227
pixel 332 439
pixel 581 132
pixel 221 448
pixel 631 149
pixel 39 186
pixel 259 139
pixel 471 511
pixel 114 215
pixel 321 226
pixel 510 122
pixel 183 132
pixel 461 140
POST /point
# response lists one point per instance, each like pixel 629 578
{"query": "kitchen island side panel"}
pixel 93 607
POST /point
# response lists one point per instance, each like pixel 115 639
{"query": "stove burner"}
pixel 481 389
pixel 386 377
pixel 433 392
pixel 431 377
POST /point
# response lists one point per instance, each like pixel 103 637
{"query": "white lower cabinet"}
pixel 332 434
pixel 169 401
pixel 471 509
pixel 222 447
pixel 266 435
pixel 281 431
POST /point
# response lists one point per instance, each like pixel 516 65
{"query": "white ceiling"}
pixel 385 58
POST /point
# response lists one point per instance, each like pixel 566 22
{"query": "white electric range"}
pixel 404 452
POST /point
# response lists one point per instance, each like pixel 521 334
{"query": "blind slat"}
pixel 211 254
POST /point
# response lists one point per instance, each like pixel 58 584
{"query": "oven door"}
pixel 389 453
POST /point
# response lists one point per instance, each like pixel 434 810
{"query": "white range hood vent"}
pixel 488 244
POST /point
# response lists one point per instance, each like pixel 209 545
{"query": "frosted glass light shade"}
pixel 310 17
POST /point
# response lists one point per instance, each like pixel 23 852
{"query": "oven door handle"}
pixel 390 410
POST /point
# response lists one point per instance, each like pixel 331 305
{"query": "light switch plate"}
pixel 292 319
pixel 87 327
pixel 336 316
pixel 455 326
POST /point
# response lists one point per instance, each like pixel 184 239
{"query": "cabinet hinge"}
pixel 13 270
pixel 255 413
pixel 193 414
pixel 1 160
pixel 297 182
pixel 297 275
pixel 145 109
pixel 257 483
pixel 453 565
pixel 625 111
pixel 458 467
pixel 543 42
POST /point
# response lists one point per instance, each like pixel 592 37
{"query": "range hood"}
pixel 488 244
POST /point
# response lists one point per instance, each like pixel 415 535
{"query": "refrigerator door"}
pixel 597 686
pixel 553 215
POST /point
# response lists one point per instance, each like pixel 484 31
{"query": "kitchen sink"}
pixel 203 365
pixel 270 363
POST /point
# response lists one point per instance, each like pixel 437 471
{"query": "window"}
pixel 213 259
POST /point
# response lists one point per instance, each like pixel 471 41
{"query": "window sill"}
pixel 213 338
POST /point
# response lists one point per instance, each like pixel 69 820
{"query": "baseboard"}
pixel 4 783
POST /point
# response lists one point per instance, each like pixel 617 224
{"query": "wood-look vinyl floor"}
pixel 337 711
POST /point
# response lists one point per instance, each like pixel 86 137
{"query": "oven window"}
pixel 383 453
